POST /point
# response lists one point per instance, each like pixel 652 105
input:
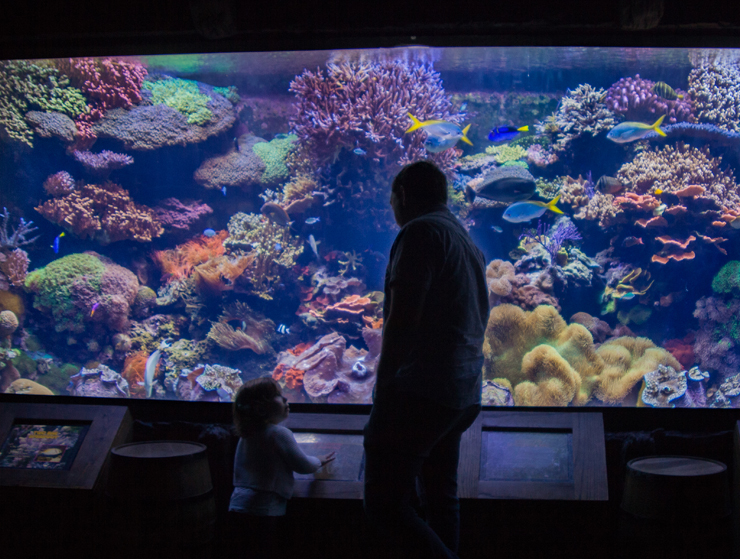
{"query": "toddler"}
pixel 266 457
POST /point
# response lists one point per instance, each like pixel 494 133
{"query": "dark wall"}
pixel 43 29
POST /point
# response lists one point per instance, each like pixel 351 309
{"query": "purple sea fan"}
pixel 101 164
pixel 365 105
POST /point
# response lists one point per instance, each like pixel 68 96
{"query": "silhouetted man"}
pixel 428 388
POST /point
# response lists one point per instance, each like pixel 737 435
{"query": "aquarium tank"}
pixel 173 226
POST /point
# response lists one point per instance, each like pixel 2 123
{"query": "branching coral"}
pixel 365 105
pixel 108 83
pixel 25 86
pixel 715 93
pixel 104 213
pixel 271 245
pixel 581 111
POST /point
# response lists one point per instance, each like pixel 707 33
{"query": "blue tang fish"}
pixel 506 133
pixel 209 233
pixel 223 190
pixel 631 131
pixel 55 246
pixel 446 133
pixel 520 212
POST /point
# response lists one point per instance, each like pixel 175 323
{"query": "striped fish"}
pixel 662 89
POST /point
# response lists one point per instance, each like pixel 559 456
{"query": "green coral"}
pixel 274 249
pixel 54 284
pixel 182 95
pixel 229 93
pixel 531 140
pixel 506 153
pixel 25 86
pixel 548 189
pixel 727 279
pixel 274 155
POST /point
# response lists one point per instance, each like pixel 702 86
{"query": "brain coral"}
pixel 550 363
pixel 69 287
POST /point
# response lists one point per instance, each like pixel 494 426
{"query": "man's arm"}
pixel 399 329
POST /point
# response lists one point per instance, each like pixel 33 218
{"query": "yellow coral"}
pixel 550 363
pixel 626 361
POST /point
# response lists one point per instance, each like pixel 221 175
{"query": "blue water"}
pixel 245 163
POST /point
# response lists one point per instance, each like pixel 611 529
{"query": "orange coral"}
pixel 370 322
pixel 133 372
pixel 254 335
pixel 279 372
pixel 218 274
pixel 172 263
pixel 201 250
pixel 294 378
pixel 178 263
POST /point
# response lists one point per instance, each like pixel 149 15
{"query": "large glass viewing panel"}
pixel 174 226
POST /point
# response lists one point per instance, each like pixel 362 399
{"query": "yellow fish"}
pixel 441 129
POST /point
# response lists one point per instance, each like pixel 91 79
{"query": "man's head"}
pixel 416 188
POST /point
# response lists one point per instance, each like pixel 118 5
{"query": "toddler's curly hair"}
pixel 254 404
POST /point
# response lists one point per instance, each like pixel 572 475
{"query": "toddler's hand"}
pixel 327 458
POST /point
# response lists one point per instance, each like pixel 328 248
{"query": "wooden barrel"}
pixel 677 488
pixel 160 500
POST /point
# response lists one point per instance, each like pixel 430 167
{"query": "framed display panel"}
pixel 523 455
pixel 319 434
pixel 58 446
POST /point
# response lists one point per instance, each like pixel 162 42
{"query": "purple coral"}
pixel 634 98
pixel 101 164
pixel 366 105
pixel 552 239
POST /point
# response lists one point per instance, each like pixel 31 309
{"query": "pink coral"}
pixel 101 164
pixel 634 98
pixel 180 215
pixel 108 83
pixel 366 105
pixel 59 184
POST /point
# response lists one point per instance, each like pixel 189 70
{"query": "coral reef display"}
pixel 171 231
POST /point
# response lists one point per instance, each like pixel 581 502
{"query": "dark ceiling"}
pixel 31 28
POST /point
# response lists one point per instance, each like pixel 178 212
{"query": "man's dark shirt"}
pixel 435 254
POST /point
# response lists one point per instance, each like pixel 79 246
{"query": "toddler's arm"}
pixel 291 453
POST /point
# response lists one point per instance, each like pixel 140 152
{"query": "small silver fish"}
pixel 312 244
pixel 359 151
pixel 223 190
pixel 312 220
pixel 497 229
